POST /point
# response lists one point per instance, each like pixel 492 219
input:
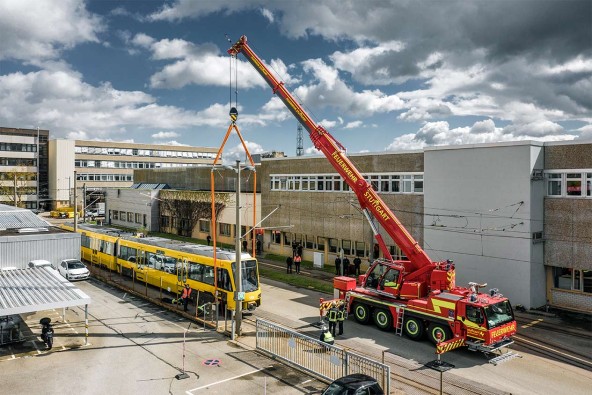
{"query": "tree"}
pixel 188 207
pixel 14 184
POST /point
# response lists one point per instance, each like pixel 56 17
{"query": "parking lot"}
pixel 137 347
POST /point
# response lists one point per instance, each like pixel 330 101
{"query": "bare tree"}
pixel 188 207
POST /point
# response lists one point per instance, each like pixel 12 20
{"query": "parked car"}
pixel 40 263
pixel 91 214
pixel 354 384
pixel 73 269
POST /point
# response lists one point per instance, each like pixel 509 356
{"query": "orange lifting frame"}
pixel 213 198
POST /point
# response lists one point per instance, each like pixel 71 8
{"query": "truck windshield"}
pixel 250 276
pixel 499 314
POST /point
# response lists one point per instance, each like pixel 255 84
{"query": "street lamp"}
pixel 239 295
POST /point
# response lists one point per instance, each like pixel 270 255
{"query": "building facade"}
pixel 24 167
pixel 107 164
pixel 513 215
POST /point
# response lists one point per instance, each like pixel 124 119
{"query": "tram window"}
pixel 127 253
pixel 208 277
pixel 150 259
pixel 224 279
pixel 195 271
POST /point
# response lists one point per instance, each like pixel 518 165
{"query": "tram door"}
pixel 140 269
pixel 182 270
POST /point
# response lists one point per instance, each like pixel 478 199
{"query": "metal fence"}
pixel 315 357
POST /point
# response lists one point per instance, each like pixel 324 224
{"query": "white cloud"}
pixel 66 105
pixel 164 135
pixel 238 152
pixel 440 134
pixel 36 31
pixel 267 14
pixel 353 125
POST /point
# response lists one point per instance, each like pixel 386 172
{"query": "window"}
pixel 309 243
pixel 346 245
pixel 333 245
pixel 123 215
pixel 138 218
pixel 418 183
pixel 276 236
pixel 204 225
pixel 165 221
pixel 554 184
pixel 225 230
pixel 115 214
pixel 130 217
pixel 573 184
pixel 320 244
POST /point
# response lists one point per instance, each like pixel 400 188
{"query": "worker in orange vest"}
pixel 185 296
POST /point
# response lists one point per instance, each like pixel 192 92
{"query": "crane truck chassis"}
pixel 416 296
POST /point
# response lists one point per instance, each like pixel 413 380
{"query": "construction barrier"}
pixel 315 357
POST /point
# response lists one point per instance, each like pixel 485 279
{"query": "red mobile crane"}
pixel 408 295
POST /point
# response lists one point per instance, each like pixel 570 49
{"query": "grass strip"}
pixel 296 280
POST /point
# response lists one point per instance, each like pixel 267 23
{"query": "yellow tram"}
pixel 169 264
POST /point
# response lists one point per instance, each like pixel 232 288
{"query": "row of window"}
pixel 349 247
pixel 125 216
pixel 144 152
pixel 104 177
pixel 27 176
pixel 384 183
pixel 569 184
pixel 572 279
pixel 18 162
pixel 127 165
pixel 18 147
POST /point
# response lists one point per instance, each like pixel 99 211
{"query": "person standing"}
pixel 185 296
pixel 289 265
pixel 209 239
pixel 345 264
pixel 245 245
pixel 297 261
pixel 299 249
pixel 340 319
pixel 332 314
pixel 338 266
pixel 326 336
pixel 357 264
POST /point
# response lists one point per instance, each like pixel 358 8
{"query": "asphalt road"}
pixel 528 374
pixel 136 347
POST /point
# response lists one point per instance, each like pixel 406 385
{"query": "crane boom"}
pixel 335 153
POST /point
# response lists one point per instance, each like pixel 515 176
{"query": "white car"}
pixel 73 269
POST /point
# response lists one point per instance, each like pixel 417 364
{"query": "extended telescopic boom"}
pixel 370 202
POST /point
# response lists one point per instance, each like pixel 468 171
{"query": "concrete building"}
pixel 108 164
pixel 136 207
pixel 515 215
pixel 24 167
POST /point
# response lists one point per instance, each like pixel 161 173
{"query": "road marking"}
pixel 532 323
pixel 223 381
pixel 304 382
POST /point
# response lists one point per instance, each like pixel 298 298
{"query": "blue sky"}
pixel 379 75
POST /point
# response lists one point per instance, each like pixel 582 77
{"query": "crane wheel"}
pixel 383 319
pixel 362 313
pixel 442 329
pixel 414 328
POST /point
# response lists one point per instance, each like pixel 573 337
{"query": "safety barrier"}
pixel 315 357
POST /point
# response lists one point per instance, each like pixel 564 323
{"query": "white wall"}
pixel 61 166
pixel 480 210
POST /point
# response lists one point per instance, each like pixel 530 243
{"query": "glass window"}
pixel 418 183
pixel 320 183
pixel 333 245
pixel 320 244
pixel 309 242
pixel 225 230
pixel 276 236
pixel 573 184
pixel 396 184
pixel 562 277
pixel 346 245
pixel 204 225
pixel 374 181
pixel 407 183
pixel 587 280
pixel 553 184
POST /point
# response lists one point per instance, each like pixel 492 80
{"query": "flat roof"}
pixel 37 289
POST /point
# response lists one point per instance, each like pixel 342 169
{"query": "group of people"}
pixel 295 259
pixel 348 269
pixel 336 316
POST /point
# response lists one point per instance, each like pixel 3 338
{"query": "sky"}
pixel 384 75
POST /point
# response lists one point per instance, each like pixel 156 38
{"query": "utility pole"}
pixel 75 208
pixel 37 183
pixel 237 274
pixel 84 202
pixel 299 144
pixel 15 205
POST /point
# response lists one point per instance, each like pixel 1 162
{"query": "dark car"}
pixel 354 384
